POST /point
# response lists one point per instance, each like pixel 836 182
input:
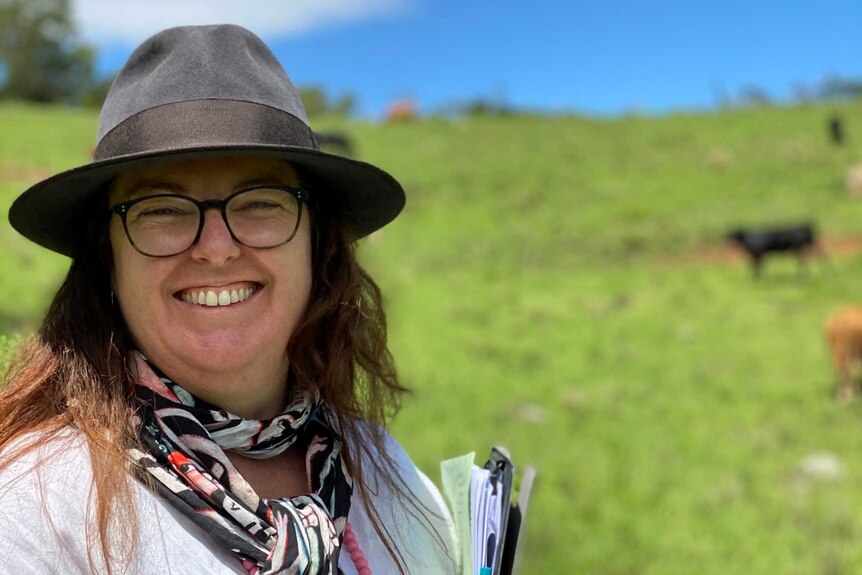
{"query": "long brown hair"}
pixel 75 374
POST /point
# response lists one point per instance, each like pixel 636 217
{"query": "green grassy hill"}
pixel 560 286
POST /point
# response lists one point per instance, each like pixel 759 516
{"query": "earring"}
pixel 112 298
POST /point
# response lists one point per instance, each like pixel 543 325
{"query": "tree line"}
pixel 44 59
pixel 41 56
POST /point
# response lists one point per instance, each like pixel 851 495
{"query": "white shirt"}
pixel 45 512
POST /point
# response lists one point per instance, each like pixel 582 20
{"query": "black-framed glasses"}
pixel 164 225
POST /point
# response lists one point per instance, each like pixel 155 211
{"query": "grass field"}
pixel 560 286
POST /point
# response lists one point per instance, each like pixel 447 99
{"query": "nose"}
pixel 215 244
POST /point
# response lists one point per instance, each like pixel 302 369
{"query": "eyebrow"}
pixel 142 187
pixel 271 179
pixel 147 185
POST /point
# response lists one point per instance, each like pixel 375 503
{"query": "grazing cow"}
pixel 758 243
pixel 336 140
pixel 844 337
pixel 401 111
pixel 836 130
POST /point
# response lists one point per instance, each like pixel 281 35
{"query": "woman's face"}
pixel 199 344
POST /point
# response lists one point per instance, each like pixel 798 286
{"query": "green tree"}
pixel 318 103
pixel 754 96
pixel 836 88
pixel 41 57
pixel 344 105
pixel 95 96
pixel 314 100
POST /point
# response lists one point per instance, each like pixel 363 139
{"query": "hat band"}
pixel 203 124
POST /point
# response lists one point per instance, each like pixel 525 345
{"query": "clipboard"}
pixel 502 474
pixel 517 516
pixel 487 521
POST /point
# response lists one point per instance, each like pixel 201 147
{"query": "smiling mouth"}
pixel 217 297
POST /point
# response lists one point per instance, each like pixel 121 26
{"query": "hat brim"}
pixel 51 212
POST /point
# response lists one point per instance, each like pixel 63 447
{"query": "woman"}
pixel 209 390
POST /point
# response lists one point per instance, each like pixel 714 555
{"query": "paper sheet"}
pixel 486 526
pixel 487 514
pixel 456 489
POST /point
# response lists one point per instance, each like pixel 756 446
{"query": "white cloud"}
pixel 130 21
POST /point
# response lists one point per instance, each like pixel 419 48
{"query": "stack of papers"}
pixel 487 522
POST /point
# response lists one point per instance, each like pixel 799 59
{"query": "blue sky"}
pixel 599 58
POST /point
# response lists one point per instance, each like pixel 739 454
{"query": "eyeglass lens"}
pixel 168 225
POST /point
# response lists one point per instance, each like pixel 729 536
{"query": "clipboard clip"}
pixel 500 456
pixel 500 465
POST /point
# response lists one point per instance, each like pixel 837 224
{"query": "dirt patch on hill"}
pixel 833 246
pixel 12 172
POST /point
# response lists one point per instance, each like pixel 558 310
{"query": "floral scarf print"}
pixel 186 439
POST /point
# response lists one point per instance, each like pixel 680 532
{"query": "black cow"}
pixel 836 130
pixel 338 141
pixel 758 243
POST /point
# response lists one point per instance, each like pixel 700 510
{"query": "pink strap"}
pixel 356 554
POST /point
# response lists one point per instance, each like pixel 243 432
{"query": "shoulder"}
pixel 42 462
pixel 44 487
pixel 48 517
pixel 420 523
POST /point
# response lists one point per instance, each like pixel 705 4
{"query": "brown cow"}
pixel 401 111
pixel 844 336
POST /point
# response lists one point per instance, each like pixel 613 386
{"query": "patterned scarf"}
pixel 186 440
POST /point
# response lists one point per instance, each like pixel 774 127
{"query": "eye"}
pixel 162 211
pixel 262 202
pixel 258 205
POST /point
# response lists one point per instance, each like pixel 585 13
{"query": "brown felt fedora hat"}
pixel 197 91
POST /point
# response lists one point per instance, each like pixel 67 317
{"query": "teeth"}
pixel 211 298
